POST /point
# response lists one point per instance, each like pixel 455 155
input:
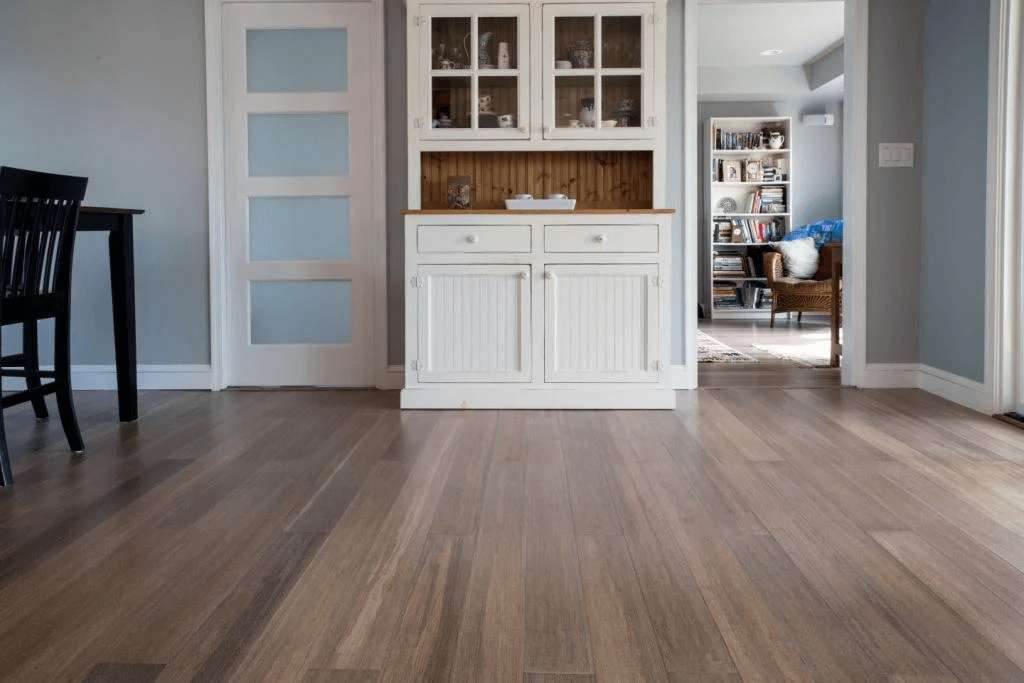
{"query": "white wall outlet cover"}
pixel 896 155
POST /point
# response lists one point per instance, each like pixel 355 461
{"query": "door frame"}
pixel 855 171
pixel 216 168
pixel 1004 237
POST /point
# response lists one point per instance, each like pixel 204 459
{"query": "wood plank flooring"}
pixel 321 536
pixel 769 371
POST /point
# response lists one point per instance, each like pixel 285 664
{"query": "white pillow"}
pixel 800 257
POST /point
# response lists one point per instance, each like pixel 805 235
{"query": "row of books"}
pixel 768 200
pixel 729 265
pixel 748 230
pixel 746 295
pixel 745 140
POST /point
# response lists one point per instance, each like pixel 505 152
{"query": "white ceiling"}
pixel 733 34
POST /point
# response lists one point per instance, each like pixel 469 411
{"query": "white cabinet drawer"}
pixel 507 239
pixel 601 238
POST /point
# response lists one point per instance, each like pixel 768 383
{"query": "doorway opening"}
pixel 770 184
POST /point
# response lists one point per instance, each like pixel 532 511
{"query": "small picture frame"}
pixel 731 171
pixel 752 171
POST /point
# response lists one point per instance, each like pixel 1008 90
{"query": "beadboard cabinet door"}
pixel 473 323
pixel 601 323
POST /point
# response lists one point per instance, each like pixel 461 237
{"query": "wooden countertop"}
pixel 520 212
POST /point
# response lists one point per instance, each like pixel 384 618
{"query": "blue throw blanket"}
pixel 823 232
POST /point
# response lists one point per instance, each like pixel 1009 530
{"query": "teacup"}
pixel 522 196
pixel 506 121
pixel 556 196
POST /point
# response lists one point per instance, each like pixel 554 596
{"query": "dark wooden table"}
pixel 118 222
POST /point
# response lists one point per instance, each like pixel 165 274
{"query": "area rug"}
pixel 810 353
pixel 710 350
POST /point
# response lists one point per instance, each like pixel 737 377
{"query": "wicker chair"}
pixel 793 295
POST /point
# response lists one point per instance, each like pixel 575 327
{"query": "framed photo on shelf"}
pixel 752 171
pixel 731 171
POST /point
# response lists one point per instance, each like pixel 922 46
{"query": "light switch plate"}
pixel 896 155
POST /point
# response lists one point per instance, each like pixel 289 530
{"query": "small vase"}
pixel 504 62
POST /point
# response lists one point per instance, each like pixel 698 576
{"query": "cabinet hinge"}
pixel 417 280
pixel 418 20
pixel 652 121
pixel 654 18
pixel 414 365
pixel 656 281
pixel 656 365
pixel 417 123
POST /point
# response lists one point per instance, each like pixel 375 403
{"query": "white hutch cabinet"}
pixel 537 309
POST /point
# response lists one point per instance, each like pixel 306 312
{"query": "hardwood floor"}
pixel 806 534
pixel 805 339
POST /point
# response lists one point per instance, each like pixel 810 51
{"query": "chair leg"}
pixel 6 479
pixel 772 322
pixel 62 368
pixel 799 317
pixel 30 349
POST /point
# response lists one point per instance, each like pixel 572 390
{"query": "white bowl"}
pixel 608 123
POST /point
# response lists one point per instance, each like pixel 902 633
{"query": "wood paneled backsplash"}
pixel 597 180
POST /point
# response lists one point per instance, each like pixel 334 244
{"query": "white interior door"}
pixel 298 195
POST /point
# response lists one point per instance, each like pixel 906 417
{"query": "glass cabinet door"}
pixel 598 71
pixel 475 72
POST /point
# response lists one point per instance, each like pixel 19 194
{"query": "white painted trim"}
pixel 492 398
pixel 855 203
pixel 955 388
pixel 215 161
pixel 219 353
pixel 104 377
pixel 685 376
pixel 1003 300
pixel 890 376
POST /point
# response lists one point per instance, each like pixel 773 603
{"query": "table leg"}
pixel 122 286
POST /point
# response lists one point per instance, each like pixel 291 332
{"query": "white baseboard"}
pixel 966 392
pixel 682 378
pixel 104 377
pixel 890 376
pixel 501 398
pixel 394 377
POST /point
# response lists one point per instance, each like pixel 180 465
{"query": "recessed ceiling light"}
pixel 771 53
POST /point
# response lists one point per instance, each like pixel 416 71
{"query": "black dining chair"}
pixel 38 216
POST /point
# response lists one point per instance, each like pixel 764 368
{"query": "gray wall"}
pixel 115 90
pixel 895 95
pixel 953 164
pixel 817 164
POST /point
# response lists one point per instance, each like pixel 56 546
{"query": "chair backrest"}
pixel 38 216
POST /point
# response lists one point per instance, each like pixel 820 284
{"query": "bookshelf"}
pixel 743 168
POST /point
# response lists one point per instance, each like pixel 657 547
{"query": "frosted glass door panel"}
pixel 299 229
pixel 282 145
pixel 301 311
pixel 297 60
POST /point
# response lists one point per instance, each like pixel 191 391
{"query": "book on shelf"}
pixel 750 296
pixel 748 230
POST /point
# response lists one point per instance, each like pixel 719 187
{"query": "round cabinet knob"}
pixel 472 239
pixel 525 275
pixel 549 275
pixel 601 239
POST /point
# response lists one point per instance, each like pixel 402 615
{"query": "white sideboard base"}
pixel 529 398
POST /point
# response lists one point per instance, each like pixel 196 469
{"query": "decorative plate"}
pixel 726 205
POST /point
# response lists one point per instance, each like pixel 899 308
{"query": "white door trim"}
pixel 1004 297
pixel 855 192
pixel 216 159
